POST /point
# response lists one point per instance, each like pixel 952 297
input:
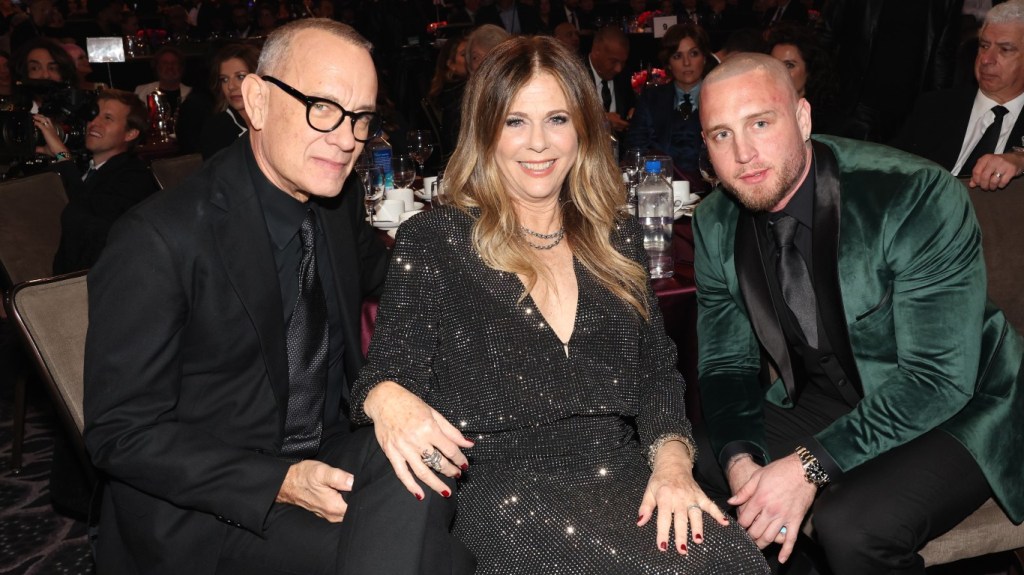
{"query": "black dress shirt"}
pixel 284 215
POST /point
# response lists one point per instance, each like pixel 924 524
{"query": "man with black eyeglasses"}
pixel 224 332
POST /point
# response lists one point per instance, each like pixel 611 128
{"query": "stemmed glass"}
pixel 404 171
pixel 421 145
pixel 633 164
pixel 372 177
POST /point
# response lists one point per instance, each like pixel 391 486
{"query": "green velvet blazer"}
pixel 896 239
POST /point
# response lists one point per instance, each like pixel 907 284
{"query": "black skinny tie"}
pixel 987 143
pixel 606 96
pixel 794 279
pixel 307 354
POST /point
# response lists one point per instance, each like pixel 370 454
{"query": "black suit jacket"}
pixel 657 125
pixel 938 124
pixel 94 206
pixel 529 22
pixel 186 369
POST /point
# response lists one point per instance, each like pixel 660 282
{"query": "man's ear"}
pixel 803 118
pixel 254 96
pixel 130 135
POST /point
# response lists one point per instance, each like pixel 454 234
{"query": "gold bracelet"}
pixel 652 451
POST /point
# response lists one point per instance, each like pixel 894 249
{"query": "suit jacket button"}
pixel 841 382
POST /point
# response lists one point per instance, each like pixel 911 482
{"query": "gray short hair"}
pixel 276 49
pixel 487 36
pixel 1010 12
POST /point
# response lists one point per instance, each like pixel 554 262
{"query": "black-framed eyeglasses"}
pixel 325 116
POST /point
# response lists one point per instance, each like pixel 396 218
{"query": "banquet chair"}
pixel 51 316
pixel 169 172
pixel 30 210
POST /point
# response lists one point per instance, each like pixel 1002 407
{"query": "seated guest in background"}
pixel 742 40
pixel 811 70
pixel 266 20
pixel 972 132
pixel 241 22
pixel 45 60
pixel 512 16
pixel 856 270
pixel 478 44
pixel 230 121
pixel 82 67
pixel 6 80
pixel 115 180
pixel 666 118
pixel 569 36
pixel 608 55
pixel 169 66
pixel 447 86
pixel 531 243
pixel 223 332
pixel 37 25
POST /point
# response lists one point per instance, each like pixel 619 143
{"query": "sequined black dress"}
pixel 558 471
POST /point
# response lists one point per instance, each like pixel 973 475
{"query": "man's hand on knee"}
pixel 316 486
pixel 774 497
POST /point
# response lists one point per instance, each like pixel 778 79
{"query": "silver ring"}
pixel 783 531
pixel 997 175
pixel 432 459
pixel 693 506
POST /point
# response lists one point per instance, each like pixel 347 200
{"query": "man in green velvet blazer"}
pixel 883 394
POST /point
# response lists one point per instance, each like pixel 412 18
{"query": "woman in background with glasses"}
pixel 666 119
pixel 229 67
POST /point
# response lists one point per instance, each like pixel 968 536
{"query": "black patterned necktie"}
pixel 686 106
pixel 987 143
pixel 606 96
pixel 794 279
pixel 307 341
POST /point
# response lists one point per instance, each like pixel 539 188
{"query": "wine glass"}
pixel 632 165
pixel 404 171
pixel 372 178
pixel 421 145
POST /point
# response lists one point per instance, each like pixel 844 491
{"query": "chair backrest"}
pixel 1002 235
pixel 30 211
pixel 52 317
pixel 170 172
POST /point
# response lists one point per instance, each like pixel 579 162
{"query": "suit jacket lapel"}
pixel 753 282
pixel 340 238
pixel 245 252
pixel 827 204
pixel 1016 137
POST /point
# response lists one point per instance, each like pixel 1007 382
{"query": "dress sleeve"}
pixel 662 388
pixel 405 337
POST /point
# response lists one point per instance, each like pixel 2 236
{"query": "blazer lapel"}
pixel 344 265
pixel 244 249
pixel 825 255
pixel 751 275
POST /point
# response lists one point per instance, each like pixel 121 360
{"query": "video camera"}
pixel 69 108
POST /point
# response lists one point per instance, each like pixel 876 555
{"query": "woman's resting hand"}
pixel 678 499
pixel 408 429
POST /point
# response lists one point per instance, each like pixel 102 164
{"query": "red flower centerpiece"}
pixel 649 77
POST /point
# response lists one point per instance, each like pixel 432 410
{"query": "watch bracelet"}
pixel 814 473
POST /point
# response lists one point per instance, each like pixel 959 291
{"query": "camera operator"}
pixel 115 181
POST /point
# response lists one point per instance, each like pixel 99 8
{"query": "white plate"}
pixel 422 194
pixel 694 198
pixel 686 211
pixel 384 225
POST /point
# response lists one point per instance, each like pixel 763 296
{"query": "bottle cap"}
pixel 652 166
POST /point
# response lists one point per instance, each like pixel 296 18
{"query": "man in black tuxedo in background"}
pixel 972 132
pixel 608 55
pixel 514 17
pixel 223 333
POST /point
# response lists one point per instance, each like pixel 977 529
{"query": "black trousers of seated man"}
pixel 874 518
pixel 386 530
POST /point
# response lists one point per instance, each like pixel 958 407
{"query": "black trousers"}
pixel 874 518
pixel 386 529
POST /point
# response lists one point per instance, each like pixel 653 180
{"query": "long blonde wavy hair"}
pixel 591 196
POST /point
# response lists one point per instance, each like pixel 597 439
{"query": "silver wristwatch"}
pixel 814 473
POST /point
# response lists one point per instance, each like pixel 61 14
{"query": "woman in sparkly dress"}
pixel 519 347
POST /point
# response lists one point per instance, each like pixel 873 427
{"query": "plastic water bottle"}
pixel 655 210
pixel 380 150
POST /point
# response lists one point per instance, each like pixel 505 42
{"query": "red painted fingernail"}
pixel 663 545
pixel 446 494
pixel 419 497
pixel 697 537
pixel 464 467
pixel 458 476
pixel 682 547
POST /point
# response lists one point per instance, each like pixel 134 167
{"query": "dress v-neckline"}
pixel 547 324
